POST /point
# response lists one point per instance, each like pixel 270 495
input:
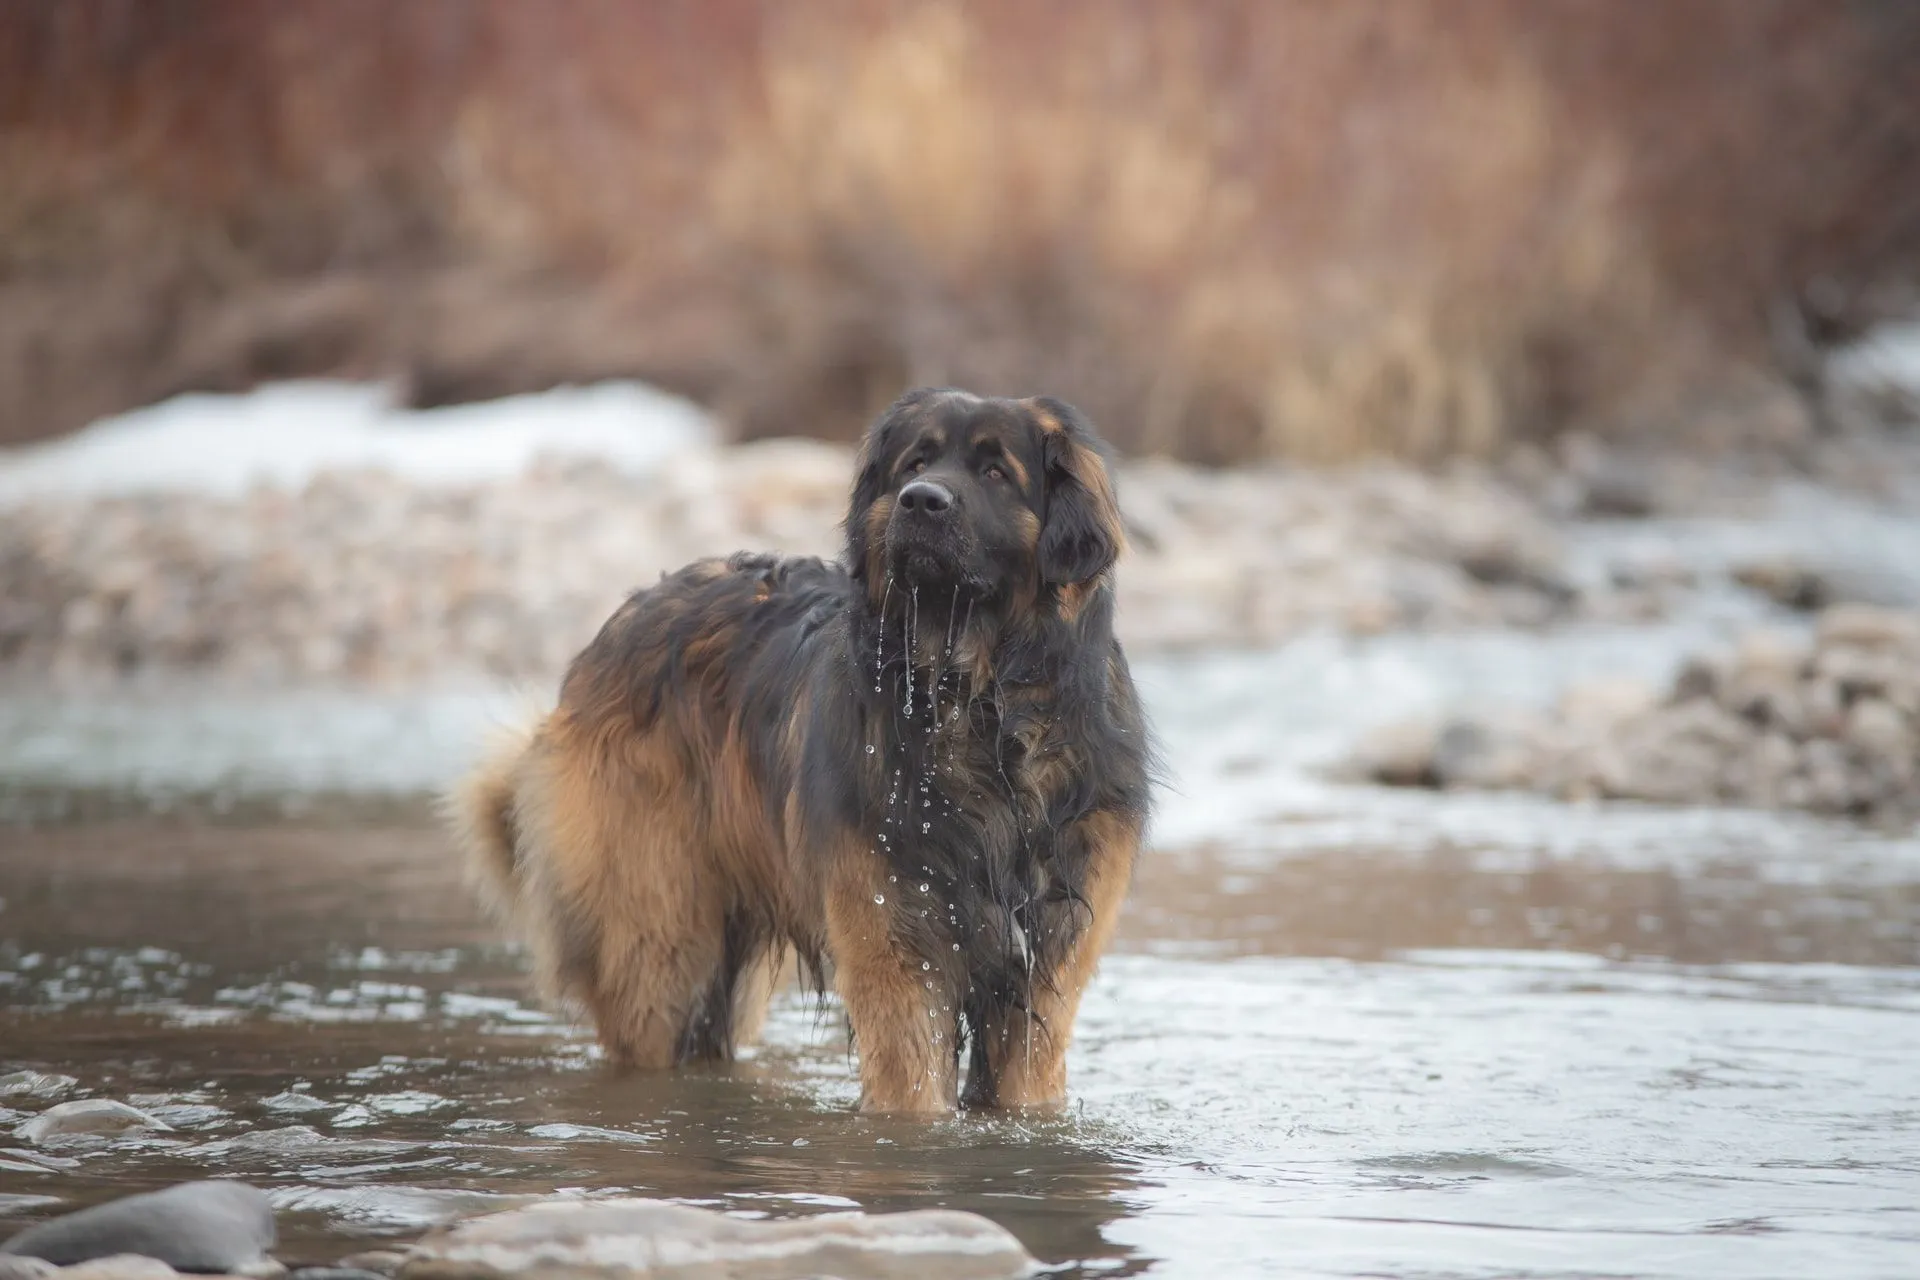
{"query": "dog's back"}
pixel 628 838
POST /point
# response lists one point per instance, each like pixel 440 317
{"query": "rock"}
pixel 1398 754
pixel 1868 627
pixel 1876 729
pixel 120 1266
pixel 1620 487
pixel 196 1226
pixel 383 1261
pixel 1607 701
pixel 1476 753
pixel 583 1240
pixel 336 1273
pixel 34 1084
pixel 1787 583
pixel 89 1116
pixel 1833 727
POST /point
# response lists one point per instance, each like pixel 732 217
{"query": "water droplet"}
pixel 956 946
pixel 925 965
pixel 870 746
pixel 893 879
pixel 923 887
pixel 879 899
pixel 925 827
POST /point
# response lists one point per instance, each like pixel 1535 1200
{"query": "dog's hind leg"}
pixel 753 991
pixel 638 932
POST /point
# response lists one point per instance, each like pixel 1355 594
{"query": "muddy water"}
pixel 1345 1032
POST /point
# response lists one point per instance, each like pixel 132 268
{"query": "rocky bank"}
pixel 366 576
pixel 1829 723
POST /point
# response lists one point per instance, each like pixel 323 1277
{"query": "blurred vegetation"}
pixel 1231 229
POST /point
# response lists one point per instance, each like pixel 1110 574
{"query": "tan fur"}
pixel 902 1067
pixel 626 876
pixel 1030 1053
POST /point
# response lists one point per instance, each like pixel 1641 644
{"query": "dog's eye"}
pixel 916 466
pixel 996 473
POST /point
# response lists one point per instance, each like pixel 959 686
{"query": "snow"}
pixel 284 434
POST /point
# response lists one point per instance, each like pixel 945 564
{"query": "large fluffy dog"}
pixel 923 772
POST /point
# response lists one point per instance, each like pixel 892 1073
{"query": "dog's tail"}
pixel 480 814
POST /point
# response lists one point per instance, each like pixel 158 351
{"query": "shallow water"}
pixel 1344 1032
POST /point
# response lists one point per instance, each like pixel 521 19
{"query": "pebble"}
pixel 383 1261
pixel 636 1238
pixel 88 1116
pixel 195 1226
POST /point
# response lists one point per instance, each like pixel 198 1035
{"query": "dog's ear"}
pixel 1080 531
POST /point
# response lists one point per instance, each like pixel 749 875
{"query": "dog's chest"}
pixel 1002 771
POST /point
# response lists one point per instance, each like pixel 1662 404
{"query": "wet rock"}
pixel 34 1084
pixel 88 1117
pixel 647 1238
pixel 196 1226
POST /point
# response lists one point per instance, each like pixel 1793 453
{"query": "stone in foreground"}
pixel 196 1226
pixel 123 1266
pixel 652 1240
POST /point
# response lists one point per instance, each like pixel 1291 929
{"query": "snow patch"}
pixel 285 434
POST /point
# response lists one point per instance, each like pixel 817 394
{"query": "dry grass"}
pixel 1237 230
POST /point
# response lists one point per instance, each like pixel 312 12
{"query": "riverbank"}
pixel 418 546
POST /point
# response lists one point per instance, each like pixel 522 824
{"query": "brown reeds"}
pixel 1231 230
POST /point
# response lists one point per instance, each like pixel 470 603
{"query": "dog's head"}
pixel 1001 499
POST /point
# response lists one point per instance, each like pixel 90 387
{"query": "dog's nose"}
pixel 927 496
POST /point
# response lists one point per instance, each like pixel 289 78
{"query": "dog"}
pixel 923 773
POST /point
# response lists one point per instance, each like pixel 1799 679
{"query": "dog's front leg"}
pixel 1027 1051
pixel 902 1029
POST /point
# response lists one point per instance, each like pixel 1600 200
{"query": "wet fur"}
pixel 743 760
